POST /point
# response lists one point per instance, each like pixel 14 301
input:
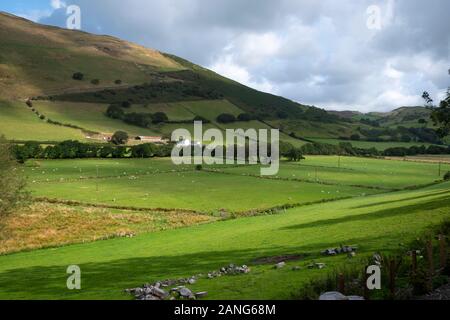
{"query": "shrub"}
pixel 120 137
pixel 115 112
pixel 78 76
pixel 159 117
pixel 118 81
pixel 244 117
pixel 126 104
pixel 355 137
pixel 226 118
pixel 12 186
pixel 95 82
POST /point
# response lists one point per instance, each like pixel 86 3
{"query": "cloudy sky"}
pixel 366 55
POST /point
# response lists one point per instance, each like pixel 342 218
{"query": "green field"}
pixel 18 122
pixel 380 146
pixel 374 223
pixel 147 184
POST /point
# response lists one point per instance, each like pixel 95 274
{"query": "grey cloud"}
pixel 316 52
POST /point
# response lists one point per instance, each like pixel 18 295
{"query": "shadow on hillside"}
pixel 428 195
pixel 437 203
pixel 109 279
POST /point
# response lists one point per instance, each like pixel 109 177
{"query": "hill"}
pixel 73 77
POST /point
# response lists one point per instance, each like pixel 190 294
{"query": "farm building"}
pixel 150 139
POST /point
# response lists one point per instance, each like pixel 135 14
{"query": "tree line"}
pixel 74 150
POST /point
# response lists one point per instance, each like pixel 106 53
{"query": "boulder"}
pixel 280 265
pixel 333 295
pixel 185 292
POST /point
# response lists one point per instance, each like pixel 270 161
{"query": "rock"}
pixel 280 265
pixel 201 294
pixel 160 293
pixel 151 297
pixel 192 281
pixel 355 298
pixel 333 295
pixel 185 292
pixel 296 268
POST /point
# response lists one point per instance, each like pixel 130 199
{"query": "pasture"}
pixel 373 223
pixel 390 206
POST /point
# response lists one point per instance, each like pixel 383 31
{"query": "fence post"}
pixel 442 251
pixel 341 283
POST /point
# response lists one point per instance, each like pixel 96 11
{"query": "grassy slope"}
pixel 18 122
pixel 375 222
pixel 36 59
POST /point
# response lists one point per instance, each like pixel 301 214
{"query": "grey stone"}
pixel 333 295
pixel 201 294
pixel 159 293
pixel 280 265
pixel 185 292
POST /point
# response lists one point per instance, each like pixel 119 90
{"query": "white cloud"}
pixel 57 4
pixel 314 52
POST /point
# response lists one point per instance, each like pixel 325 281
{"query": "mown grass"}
pixel 18 122
pixel 374 223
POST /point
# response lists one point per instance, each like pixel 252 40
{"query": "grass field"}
pixel 380 146
pixel 374 223
pixel 20 123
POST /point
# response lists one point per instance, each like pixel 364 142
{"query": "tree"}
pixel 12 186
pixel 440 115
pixel 244 117
pixel 159 117
pixel 355 137
pixel 78 76
pixel 146 150
pixel 115 112
pixel 226 118
pixel 295 154
pixel 126 104
pixel 120 137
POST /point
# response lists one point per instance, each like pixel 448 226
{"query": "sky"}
pixel 364 55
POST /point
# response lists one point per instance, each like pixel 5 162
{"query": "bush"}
pixel 126 104
pixel 447 176
pixel 78 76
pixel 12 186
pixel 119 137
pixel 355 137
pixel 244 117
pixel 160 117
pixel 95 82
pixel 115 112
pixel 118 81
pixel 226 118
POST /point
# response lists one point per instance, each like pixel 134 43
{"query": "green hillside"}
pixel 40 61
